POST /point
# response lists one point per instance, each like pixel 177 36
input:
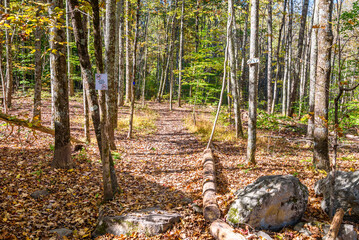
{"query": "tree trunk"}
pixel 313 69
pixel 296 72
pixel 36 112
pixel 110 180
pixel 144 75
pixel 129 135
pixel 62 153
pixel 233 74
pixel 9 73
pixel 269 64
pixel 180 56
pixel 253 83
pixel 71 80
pixel 110 50
pixel 325 39
pixel 243 60
pixel 278 56
pixel 121 72
pixel 128 48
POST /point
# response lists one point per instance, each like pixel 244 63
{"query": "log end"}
pixel 211 212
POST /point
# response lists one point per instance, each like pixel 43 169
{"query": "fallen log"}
pixel 23 123
pixel 222 231
pixel 211 210
pixel 335 226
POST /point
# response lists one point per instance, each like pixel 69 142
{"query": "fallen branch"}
pixel 335 226
pixel 222 231
pixel 20 122
pixel 211 211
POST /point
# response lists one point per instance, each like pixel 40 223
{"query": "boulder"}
pixel 346 192
pixel 39 194
pixel 150 221
pixel 270 203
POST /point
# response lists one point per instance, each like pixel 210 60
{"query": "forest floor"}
pixel 160 166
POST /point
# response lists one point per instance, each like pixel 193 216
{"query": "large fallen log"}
pixel 335 226
pixel 222 231
pixel 211 210
pixel 24 123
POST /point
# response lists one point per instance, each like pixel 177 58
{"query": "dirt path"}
pixel 164 169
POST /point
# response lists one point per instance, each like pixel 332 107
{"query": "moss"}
pixel 233 215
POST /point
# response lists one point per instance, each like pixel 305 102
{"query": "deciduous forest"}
pixel 179 119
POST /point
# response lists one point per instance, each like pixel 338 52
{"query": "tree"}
pixel 269 64
pixel 253 82
pixel 36 113
pixel 180 56
pixel 134 65
pixel 110 41
pixel 9 73
pixel 233 73
pixel 313 69
pixel 62 153
pixel 325 39
pixel 109 175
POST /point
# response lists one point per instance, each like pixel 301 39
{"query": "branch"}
pixel 27 124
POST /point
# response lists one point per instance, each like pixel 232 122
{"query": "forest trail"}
pixel 170 156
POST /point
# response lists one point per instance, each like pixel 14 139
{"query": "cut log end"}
pixel 222 231
pixel 335 226
pixel 211 212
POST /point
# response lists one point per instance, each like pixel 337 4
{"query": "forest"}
pixel 179 119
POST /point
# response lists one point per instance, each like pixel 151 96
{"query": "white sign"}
pixel 253 61
pixel 101 81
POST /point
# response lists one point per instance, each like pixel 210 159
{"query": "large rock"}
pixel 150 221
pixel 346 192
pixel 271 202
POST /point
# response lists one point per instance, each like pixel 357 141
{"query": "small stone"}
pixel 263 235
pixel 39 194
pixel 347 232
pixel 62 232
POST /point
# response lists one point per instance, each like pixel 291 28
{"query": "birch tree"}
pixel 253 82
pixel 325 40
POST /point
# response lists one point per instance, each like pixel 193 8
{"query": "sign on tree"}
pixel 101 81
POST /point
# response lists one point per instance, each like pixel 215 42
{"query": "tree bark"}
pixel 36 112
pixel 278 56
pixel 325 39
pixel 37 127
pixel 180 57
pixel 313 69
pixel 110 183
pixel 211 210
pixel 110 50
pixel 62 153
pixel 269 64
pixel 253 83
pixel 128 48
pixel 71 80
pixel 233 74
pixel 121 72
pixel 296 72
pixel 9 73
pixel 133 78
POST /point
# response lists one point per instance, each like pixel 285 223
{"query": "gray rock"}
pixel 346 192
pixel 39 194
pixel 346 232
pixel 62 232
pixel 150 221
pixel 263 235
pixel 271 202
